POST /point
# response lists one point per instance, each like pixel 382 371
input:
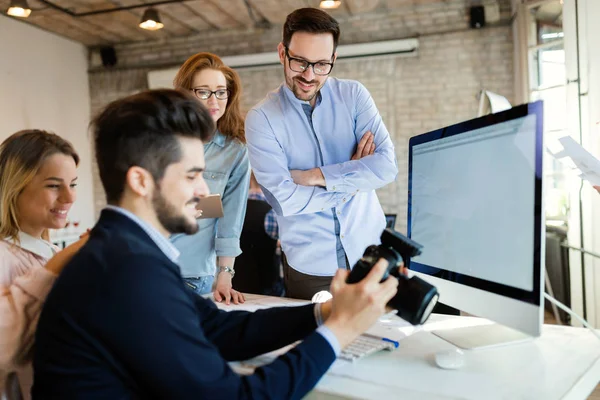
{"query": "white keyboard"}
pixel 365 345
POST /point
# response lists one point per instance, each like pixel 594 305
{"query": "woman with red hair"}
pixel 212 250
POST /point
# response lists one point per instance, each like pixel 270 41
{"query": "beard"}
pixel 169 218
pixel 299 93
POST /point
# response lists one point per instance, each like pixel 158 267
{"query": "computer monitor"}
pixel 475 204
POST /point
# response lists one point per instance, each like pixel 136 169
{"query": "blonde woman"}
pixel 38 176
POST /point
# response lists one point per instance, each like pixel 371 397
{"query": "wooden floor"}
pixel 549 319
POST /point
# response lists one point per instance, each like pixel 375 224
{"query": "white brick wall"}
pixel 414 94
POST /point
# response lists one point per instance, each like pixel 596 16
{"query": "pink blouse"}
pixel 24 284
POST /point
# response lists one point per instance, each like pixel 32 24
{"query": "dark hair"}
pixel 231 124
pixel 142 130
pixel 311 20
pixel 21 156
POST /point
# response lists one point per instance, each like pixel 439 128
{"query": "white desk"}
pixel 564 363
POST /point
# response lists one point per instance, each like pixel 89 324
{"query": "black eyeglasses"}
pixel 300 65
pixel 204 94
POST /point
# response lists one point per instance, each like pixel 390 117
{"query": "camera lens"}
pixel 429 308
pixel 415 298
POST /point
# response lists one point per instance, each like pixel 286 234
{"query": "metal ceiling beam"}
pixel 108 10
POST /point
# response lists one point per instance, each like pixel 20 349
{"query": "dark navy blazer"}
pixel 120 324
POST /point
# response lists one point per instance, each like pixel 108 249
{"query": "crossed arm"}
pixel 372 166
pixel 315 177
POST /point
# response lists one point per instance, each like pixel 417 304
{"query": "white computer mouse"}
pixel 450 359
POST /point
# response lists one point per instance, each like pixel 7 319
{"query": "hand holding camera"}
pixel 378 280
pixel 356 307
pixel 415 298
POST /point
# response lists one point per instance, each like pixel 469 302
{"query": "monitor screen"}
pixel 475 202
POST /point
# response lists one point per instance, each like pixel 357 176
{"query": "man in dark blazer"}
pixel 120 322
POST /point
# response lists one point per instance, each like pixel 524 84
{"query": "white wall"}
pixel 44 85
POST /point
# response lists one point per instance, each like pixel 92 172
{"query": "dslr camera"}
pixel 415 298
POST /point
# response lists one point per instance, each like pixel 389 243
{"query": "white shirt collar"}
pixel 37 246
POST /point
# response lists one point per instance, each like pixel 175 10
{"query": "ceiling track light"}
pixel 330 4
pixel 19 8
pixel 151 20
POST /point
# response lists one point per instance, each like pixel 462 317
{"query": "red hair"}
pixel 231 124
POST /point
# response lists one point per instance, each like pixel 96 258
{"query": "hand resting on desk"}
pixel 224 292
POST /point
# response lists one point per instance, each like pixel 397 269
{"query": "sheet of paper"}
pixel 581 161
pixel 389 326
pixel 257 302
pixel 247 367
pixel 392 328
pixel 497 102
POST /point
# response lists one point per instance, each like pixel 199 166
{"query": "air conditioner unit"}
pixel 405 47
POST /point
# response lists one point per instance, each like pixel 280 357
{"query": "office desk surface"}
pixel 564 363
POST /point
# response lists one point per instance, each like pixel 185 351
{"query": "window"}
pixel 547 82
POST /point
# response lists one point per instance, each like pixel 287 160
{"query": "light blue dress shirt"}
pixel 282 137
pixel 227 173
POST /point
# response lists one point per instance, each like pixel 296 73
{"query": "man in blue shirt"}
pixel 120 323
pixel 319 149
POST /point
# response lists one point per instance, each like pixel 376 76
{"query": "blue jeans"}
pixel 201 284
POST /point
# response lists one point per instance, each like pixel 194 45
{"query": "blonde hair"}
pixel 21 157
pixel 231 124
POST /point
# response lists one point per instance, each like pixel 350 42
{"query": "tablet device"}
pixel 211 206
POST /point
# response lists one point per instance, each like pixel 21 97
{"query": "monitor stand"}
pixel 481 336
